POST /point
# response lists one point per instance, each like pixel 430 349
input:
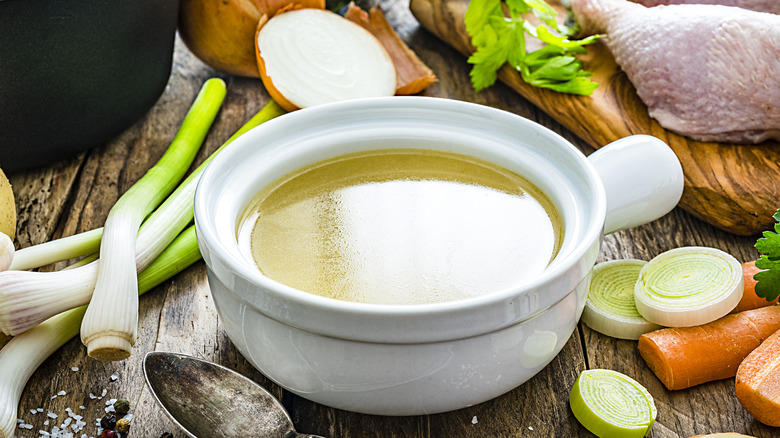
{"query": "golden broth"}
pixel 401 226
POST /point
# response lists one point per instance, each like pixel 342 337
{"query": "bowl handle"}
pixel 643 180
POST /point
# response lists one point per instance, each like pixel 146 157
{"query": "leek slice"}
pixel 610 307
pixel 689 286
pixel 611 404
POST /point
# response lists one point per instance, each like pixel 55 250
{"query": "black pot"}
pixel 75 73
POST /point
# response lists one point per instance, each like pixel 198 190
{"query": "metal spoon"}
pixel 209 400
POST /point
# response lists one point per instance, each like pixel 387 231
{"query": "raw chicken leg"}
pixel 708 72
pixel 772 6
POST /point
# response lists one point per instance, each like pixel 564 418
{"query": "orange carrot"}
pixel 412 75
pixel 688 356
pixel 758 382
pixel 723 435
pixel 749 298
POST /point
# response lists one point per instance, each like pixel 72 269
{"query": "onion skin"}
pixel 413 76
pixel 7 208
pixel 221 32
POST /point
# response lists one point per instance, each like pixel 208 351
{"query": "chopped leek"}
pixel 611 404
pixel 610 307
pixel 689 286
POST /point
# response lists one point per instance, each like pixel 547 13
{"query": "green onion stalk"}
pixel 29 298
pixel 6 251
pixel 24 353
pixel 110 325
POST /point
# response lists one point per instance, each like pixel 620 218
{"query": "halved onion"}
pixel 611 404
pixel 689 286
pixel 610 307
pixel 308 57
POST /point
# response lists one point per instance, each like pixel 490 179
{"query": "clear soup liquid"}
pixel 401 227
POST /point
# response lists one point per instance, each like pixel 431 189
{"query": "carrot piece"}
pixel 758 382
pixel 749 298
pixel 412 75
pixel 688 356
pixel 723 435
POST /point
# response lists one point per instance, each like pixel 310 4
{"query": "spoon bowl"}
pixel 209 400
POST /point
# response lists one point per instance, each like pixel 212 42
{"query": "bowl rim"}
pixel 416 322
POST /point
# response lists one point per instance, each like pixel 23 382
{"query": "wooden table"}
pixel 76 195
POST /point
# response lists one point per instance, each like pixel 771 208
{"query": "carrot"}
pixel 412 75
pixel 758 382
pixel 749 298
pixel 723 435
pixel 688 356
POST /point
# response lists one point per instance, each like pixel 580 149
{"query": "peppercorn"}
pixel 108 422
pixel 122 406
pixel 108 433
pixel 122 425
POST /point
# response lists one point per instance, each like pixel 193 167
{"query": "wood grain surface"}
pixel 179 315
pixel 734 187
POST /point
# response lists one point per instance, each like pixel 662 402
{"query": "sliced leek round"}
pixel 689 286
pixel 611 404
pixel 610 307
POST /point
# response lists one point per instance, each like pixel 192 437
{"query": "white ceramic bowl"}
pixel 427 358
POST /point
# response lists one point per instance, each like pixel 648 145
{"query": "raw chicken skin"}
pixel 711 73
pixel 772 6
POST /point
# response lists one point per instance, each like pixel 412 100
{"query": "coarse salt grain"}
pixel 92 396
pixel 74 369
pixel 46 423
pixel 110 401
pixel 61 393
pixel 51 414
pixel 530 428
pixel 474 420
pixel 114 377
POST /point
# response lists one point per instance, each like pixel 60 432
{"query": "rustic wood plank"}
pixel 179 315
pixel 720 179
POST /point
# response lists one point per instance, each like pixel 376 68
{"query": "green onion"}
pixel 610 307
pixel 23 354
pixel 611 404
pixel 111 323
pixel 28 298
pixel 57 250
pixel 689 286
pixel 6 251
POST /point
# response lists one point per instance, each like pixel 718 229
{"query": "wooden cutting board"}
pixel 733 187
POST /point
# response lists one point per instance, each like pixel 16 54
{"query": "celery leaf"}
pixel 500 39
